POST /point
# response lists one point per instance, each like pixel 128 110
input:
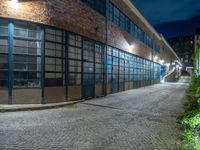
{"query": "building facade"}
pixel 57 51
pixel 184 48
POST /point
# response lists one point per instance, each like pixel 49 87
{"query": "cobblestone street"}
pixel 139 119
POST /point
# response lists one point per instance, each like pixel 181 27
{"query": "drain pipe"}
pixel 106 47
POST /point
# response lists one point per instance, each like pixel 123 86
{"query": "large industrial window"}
pixel 121 71
pixel 109 65
pixel 54 57
pixel 123 21
pixel 128 22
pixel 124 67
pixel 74 59
pixel 3 53
pixel 136 69
pixel 99 62
pixel 139 69
pixel 156 72
pixel 148 70
pixel 116 16
pixel 132 29
pixel 111 12
pixel 88 65
pixel 26 55
pixel 127 66
pixel 115 70
pixel 131 69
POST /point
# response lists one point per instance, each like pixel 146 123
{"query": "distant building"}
pixel 184 48
pixel 197 37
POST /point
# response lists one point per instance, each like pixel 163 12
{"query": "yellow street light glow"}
pixel 15 1
pixel 15 4
pixel 155 58
pixel 167 64
pixel 133 46
pixel 161 62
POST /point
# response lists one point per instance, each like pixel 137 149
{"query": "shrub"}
pixel 190 121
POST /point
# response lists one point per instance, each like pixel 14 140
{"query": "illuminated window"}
pixel 27 55
pixel 74 59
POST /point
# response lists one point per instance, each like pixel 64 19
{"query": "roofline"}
pixel 136 11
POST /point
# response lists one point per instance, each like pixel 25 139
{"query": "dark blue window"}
pixel 3 53
pixel 127 25
pixel 116 16
pixel 110 15
pixel 26 54
pixel 54 57
pixel 74 59
pixel 98 5
pixel 120 19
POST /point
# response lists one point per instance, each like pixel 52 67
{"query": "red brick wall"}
pixel 71 15
pixel 75 16
pixel 123 40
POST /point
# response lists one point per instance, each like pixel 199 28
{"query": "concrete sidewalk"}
pixel 25 107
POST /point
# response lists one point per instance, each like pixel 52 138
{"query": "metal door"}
pixel 88 69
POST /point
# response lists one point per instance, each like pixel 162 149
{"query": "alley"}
pixel 139 119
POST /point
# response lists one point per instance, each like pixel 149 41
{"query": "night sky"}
pixel 172 18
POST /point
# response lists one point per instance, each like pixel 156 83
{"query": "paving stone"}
pixel 139 119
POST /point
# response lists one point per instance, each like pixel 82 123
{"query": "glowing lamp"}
pixel 155 58
pixel 161 62
pixel 15 1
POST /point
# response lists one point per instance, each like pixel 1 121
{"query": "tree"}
pixel 196 60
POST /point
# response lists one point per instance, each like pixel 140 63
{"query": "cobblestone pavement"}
pixel 140 119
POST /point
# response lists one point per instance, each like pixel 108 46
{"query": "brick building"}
pixel 56 51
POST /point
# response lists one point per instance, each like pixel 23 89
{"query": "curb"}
pixel 32 107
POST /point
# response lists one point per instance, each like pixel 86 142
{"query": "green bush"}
pixel 190 140
pixel 190 121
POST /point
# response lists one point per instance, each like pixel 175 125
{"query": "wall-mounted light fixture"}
pixel 161 62
pixel 167 64
pixel 131 47
pixel 15 4
pixel 155 59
